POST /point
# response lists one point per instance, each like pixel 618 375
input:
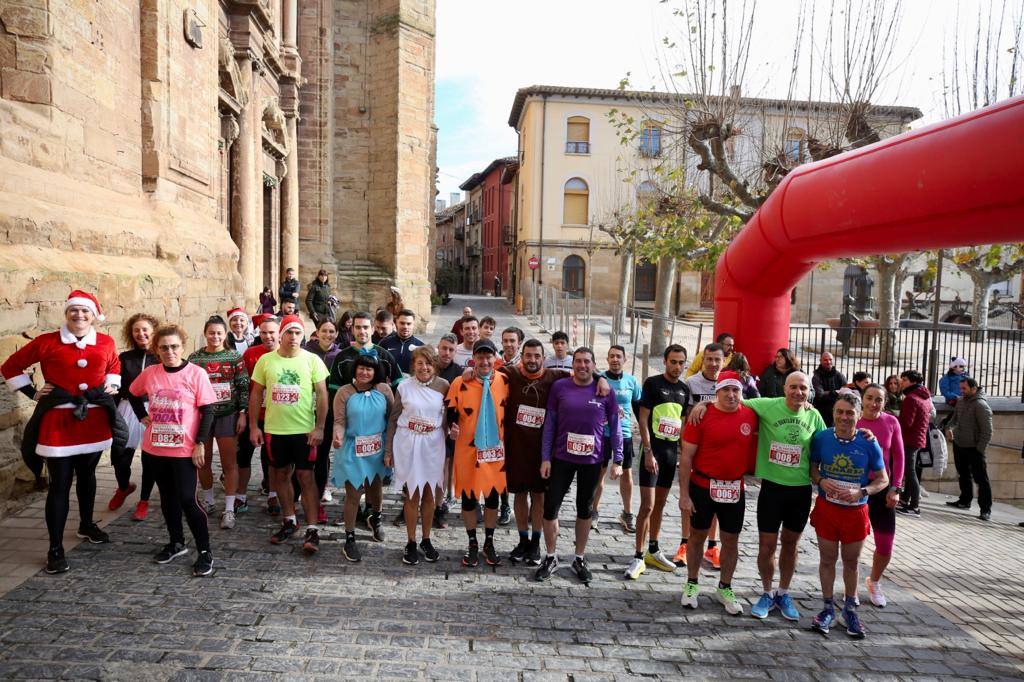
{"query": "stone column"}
pixel 244 227
pixel 289 23
pixel 290 201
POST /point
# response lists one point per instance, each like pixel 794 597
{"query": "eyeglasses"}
pixel 169 346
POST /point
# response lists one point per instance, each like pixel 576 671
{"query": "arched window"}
pixel 576 207
pixel 577 135
pixel 646 194
pixel 573 270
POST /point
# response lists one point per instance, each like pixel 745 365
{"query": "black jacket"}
pixel 58 396
pixel 132 362
pixel 317 296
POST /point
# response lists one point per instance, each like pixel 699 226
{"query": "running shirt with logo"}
pixel 726 448
pixel 627 391
pixel 290 396
pixel 784 441
pixel 668 403
pixel 574 425
pixel 846 462
pixel 174 402
pixel 229 379
pixel 463 355
pixel 702 389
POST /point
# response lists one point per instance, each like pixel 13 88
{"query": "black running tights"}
pixel 177 480
pixel 81 468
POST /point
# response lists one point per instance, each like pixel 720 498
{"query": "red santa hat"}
pixel 257 320
pixel 86 300
pixel 290 321
pixel 728 379
pixel 235 312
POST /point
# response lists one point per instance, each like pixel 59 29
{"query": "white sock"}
pixel 292 519
pixel 229 503
pixel 208 495
pixel 271 495
pixel 781 591
pixel 312 527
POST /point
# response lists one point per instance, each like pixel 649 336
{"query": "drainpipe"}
pixel 543 152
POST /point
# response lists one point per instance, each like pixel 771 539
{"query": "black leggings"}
pixel 81 468
pixel 177 479
pixel 562 472
pixel 490 502
pixel 123 474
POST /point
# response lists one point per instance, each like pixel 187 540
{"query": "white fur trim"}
pixel 85 303
pixel 19 381
pixel 69 450
pixel 728 382
pixel 297 325
pixel 67 337
pixel 112 380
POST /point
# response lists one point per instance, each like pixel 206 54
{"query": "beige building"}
pixel 571 178
pixel 177 156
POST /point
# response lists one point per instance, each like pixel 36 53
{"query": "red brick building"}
pixel 496 236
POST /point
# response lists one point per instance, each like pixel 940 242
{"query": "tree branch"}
pixel 724 210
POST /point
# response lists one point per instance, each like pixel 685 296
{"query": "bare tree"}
pixel 987 266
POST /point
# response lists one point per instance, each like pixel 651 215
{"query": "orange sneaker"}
pixel 712 557
pixel 680 558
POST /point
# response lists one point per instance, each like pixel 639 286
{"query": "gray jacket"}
pixel 972 422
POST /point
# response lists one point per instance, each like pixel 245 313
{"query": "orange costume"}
pixel 477 473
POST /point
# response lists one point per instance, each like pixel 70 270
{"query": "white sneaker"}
pixel 636 569
pixel 227 520
pixel 659 561
pixel 726 598
pixel 210 507
pixel 875 591
pixel 690 593
pixel 327 497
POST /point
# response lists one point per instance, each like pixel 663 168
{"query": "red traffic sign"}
pixel 534 262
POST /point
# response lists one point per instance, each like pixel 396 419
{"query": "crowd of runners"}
pixel 361 403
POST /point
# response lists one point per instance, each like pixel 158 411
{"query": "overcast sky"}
pixel 486 50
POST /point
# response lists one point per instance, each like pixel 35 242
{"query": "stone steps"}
pixel 698 316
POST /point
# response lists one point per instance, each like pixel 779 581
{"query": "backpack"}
pixel 935 453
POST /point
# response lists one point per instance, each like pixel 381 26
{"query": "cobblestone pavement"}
pixel 270 613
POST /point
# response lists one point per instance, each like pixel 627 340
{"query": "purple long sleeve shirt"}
pixel 574 424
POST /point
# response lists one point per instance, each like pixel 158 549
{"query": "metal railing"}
pixel 577 147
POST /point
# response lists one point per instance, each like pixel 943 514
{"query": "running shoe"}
pixel 350 550
pixel 491 556
pixel 786 606
pixel 504 515
pixel 321 516
pixel 429 553
pixel 210 507
pixel 93 534
pixel 875 592
pixel 327 497
pixel 203 565
pixel 55 561
pixel 957 504
pixel 627 522
pixel 288 529
pixel 689 598
pixel 582 570
pixel 533 553
pixel 763 606
pixel 727 598
pixel 635 569
pixel 170 552
pixel 823 621
pixel 547 569
pixel 905 509
pixel 439 518
pixel 376 526
pixel 141 511
pixel 410 557
pixel 265 487
pixel 472 556
pixel 851 620
pixel 984 516
pixel 680 558
pixel 241 506
pixel 227 520
pixel 595 516
pixel 273 506
pixel 659 561
pixel 519 553
pixel 713 557
pixel 311 544
pixel 120 495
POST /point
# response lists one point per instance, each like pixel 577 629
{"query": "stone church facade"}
pixel 175 156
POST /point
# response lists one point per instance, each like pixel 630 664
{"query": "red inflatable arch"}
pixel 955 183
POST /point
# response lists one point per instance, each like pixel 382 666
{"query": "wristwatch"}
pixel 863 491
pixel 897 489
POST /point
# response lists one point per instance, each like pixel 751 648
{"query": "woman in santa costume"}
pixel 75 419
pixel 242 335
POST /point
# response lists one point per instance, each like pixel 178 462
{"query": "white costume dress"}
pixel 416 433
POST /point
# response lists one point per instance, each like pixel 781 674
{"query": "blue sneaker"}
pixel 823 621
pixel 786 606
pixel 851 620
pixel 763 606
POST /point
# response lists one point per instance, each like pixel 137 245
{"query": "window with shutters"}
pixel 576 208
pixel 577 135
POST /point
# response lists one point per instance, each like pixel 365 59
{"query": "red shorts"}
pixel 837 523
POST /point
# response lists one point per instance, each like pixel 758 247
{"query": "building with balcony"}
pixel 495 190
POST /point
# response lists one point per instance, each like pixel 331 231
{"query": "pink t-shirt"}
pixel 890 436
pixel 174 402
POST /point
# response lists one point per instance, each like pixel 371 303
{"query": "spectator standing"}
pixel 289 289
pixel 318 297
pixel 773 378
pixel 949 384
pixel 267 301
pixel 826 380
pixel 971 430
pixel 915 411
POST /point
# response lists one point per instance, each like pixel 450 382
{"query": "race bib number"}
pixel 222 391
pixel 725 492
pixel 532 417
pixel 845 486
pixel 284 394
pixel 367 446
pixel 785 455
pixel 669 428
pixel 421 425
pixel 167 436
pixel 495 454
pixel 579 445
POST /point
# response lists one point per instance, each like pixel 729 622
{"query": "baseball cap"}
pixel 484 344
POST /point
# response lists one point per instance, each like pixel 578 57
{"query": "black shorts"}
pixel 627 453
pixel 562 473
pixel 245 447
pixel 667 457
pixel 522 472
pixel 291 450
pixel 785 506
pixel 730 515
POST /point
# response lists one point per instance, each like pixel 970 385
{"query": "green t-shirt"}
pixel 784 441
pixel 289 389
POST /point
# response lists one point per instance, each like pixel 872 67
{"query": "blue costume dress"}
pixel 360 459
